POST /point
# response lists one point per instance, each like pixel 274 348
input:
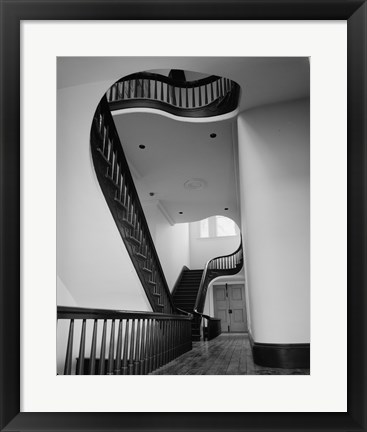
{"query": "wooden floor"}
pixel 228 354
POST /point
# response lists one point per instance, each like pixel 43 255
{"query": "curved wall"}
pixel 274 156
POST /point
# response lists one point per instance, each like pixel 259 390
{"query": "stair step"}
pixel 156 294
pixel 112 181
pixel 152 283
pixel 140 256
pixel 120 203
pixel 147 270
pixel 132 239
pixel 127 223
pixel 99 150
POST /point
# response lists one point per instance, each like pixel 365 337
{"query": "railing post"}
pixel 69 350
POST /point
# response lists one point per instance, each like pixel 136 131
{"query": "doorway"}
pixel 229 307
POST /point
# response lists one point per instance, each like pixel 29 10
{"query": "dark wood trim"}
pixel 170 80
pixel 287 356
pixel 68 312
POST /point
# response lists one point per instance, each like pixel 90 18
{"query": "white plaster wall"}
pixel 274 159
pixel 204 249
pixel 171 242
pixel 92 261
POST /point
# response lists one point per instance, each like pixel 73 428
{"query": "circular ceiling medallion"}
pixel 195 184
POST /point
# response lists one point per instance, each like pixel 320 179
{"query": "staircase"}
pixel 185 296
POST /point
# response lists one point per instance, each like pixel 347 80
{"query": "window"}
pixel 218 226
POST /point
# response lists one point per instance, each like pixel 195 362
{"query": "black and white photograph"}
pixel 183 216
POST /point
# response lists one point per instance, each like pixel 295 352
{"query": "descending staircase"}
pixel 185 295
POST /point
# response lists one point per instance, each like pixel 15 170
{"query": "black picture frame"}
pixel 12 12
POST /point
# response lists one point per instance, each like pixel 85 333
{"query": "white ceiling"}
pixel 177 151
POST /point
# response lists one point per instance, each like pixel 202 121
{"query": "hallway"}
pixel 228 354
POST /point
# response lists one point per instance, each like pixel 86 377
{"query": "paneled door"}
pixel 229 306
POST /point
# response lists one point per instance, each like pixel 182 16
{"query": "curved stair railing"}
pixel 118 187
pixel 207 97
pixel 219 266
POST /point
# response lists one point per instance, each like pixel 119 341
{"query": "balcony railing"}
pixel 109 342
pixel 207 97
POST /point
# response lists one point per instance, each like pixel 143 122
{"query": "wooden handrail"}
pixel 71 312
pixel 218 266
pixel 168 80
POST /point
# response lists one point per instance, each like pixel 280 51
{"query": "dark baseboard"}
pixel 288 356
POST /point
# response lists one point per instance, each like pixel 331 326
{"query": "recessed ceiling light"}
pixel 142 146
pixel 213 135
pixel 226 208
pixel 151 193
pixel 181 212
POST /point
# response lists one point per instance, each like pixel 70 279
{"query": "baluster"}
pixel 80 370
pixel 159 343
pixel 180 97
pixel 136 88
pixel 211 92
pixel 162 93
pixel 117 175
pixel 155 89
pixel 200 100
pixel 121 185
pixel 174 340
pixel 69 349
pixel 168 355
pixel 105 139
pixel 148 350
pixel 126 345
pixel 156 344
pixel 206 94
pixel 118 350
pixel 131 355
pixel 123 90
pixel 129 88
pixel 111 353
pixel 193 97
pixel 167 94
pixel 142 348
pixel 92 364
pixel 103 350
pixel 137 349
pixel 166 342
pixel 142 88
pixel 187 97
pixel 108 95
pixel 221 87
pixel 149 83
pixel 111 169
pixel 174 95
pixel 218 93
pixel 109 150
